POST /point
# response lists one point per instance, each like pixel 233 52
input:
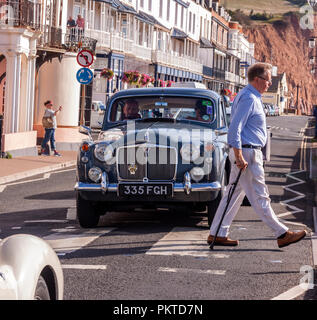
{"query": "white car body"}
pixel 97 114
pixel 189 84
pixel 23 259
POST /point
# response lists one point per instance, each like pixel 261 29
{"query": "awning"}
pixel 178 34
pixel 120 6
pixel 205 43
pixel 149 19
pixel 183 3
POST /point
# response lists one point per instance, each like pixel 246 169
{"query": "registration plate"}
pixel 145 189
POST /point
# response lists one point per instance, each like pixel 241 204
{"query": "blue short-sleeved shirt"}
pixel 248 121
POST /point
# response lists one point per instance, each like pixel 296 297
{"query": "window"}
pixel 182 18
pixel 150 5
pixel 190 22
pixel 176 13
pixel 142 3
pixel 194 18
pixel 161 8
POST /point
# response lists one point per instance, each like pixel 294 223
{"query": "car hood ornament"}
pixel 132 168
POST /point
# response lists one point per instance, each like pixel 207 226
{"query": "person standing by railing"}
pixel 80 22
pixel 71 24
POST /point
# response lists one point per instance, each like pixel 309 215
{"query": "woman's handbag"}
pixel 47 122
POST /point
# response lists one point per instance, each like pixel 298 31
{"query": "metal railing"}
pixel 73 39
pixel 20 13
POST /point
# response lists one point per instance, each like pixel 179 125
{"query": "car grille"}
pixel 146 162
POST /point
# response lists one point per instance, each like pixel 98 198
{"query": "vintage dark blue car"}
pixel 158 148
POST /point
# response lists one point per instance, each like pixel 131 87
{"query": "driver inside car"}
pixel 131 110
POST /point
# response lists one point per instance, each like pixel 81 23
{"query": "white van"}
pixel 189 84
pixel 97 113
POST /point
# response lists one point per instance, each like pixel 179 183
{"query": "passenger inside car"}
pixel 201 112
pixel 130 110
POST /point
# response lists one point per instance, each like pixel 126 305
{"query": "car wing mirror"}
pixel 85 130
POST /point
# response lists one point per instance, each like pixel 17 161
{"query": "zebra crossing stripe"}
pixel 199 271
pixel 184 241
pixel 64 243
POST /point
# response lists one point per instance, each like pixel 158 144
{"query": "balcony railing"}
pixel 219 74
pixel 75 38
pixel 21 13
pixel 176 61
pixel 50 37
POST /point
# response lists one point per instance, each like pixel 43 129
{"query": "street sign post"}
pixel 85 58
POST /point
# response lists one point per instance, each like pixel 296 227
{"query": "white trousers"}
pixel 252 184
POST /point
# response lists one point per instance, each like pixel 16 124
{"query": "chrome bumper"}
pixel 186 187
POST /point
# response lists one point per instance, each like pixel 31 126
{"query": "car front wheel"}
pixel 86 213
pixel 41 291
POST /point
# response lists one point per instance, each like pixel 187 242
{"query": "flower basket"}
pixel 161 83
pixel 144 79
pixel 131 77
pixel 107 73
pixel 169 83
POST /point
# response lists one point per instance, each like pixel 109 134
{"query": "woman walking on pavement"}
pixel 50 125
pixel 246 136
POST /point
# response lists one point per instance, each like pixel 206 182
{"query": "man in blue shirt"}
pixel 246 136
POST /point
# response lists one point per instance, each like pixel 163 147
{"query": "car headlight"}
pixel 104 152
pixel 110 136
pixel 197 173
pixel 190 152
pixel 94 174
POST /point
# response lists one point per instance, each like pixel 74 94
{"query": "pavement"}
pixel 23 167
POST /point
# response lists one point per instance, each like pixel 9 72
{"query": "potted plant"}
pixel 107 73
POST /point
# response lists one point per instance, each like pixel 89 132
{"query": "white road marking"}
pixel 292 293
pixel 46 221
pixel 71 213
pixel 184 270
pixel 299 195
pixel 184 242
pixel 67 243
pixel 84 267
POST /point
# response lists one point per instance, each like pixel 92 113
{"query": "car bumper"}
pixel 187 187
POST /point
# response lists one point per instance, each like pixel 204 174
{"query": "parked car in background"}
pixel 228 112
pixel 29 269
pixel 277 110
pixel 271 110
pixel 169 151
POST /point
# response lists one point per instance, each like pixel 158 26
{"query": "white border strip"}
pixel 84 266
pixel 314 237
pixel 291 293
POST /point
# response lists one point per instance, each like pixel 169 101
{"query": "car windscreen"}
pixel 155 107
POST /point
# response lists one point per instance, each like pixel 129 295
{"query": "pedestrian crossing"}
pixel 184 242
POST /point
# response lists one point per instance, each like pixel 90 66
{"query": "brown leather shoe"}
pixel 222 241
pixel 291 237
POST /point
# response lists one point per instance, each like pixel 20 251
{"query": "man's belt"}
pixel 251 147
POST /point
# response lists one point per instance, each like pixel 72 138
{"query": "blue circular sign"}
pixel 84 76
